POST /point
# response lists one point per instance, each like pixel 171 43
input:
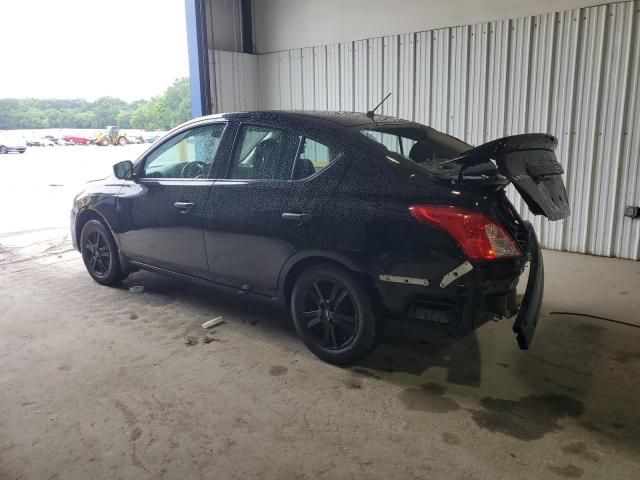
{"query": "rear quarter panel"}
pixel 371 213
pixel 374 228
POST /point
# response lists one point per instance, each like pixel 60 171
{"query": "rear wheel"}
pixel 334 314
pixel 100 254
pixel 3 149
pixel 122 141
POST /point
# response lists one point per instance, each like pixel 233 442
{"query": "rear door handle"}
pixel 297 217
pixel 184 207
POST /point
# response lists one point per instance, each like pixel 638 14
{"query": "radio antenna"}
pixel 371 113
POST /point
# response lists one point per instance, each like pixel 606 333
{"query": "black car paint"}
pixel 359 214
pixel 529 161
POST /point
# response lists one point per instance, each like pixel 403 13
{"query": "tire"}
pixel 3 149
pixel 100 254
pixel 104 142
pixel 122 141
pixel 334 314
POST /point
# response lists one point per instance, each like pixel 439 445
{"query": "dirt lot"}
pixel 105 383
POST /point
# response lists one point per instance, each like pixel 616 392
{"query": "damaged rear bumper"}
pixel 527 319
pixel 458 305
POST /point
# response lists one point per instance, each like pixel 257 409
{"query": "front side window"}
pixel 270 153
pixel 187 155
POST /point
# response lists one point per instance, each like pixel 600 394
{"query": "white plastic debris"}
pixel 213 322
pixel 136 289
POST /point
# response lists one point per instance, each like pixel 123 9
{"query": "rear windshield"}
pixel 423 145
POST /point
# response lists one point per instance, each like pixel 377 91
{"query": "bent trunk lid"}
pixel 529 162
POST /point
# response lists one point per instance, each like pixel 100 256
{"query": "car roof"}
pixel 343 119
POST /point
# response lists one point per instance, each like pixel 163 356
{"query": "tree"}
pixel 177 102
pixel 171 108
pixel 106 110
pixel 123 119
pixel 160 113
pixel 143 117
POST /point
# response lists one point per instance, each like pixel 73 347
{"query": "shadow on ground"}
pixel 561 379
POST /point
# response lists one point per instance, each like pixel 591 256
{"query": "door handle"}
pixel 184 207
pixel 297 217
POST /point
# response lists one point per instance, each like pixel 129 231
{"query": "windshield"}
pixel 422 145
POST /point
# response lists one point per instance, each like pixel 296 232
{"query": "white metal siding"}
pixel 574 74
pixel 233 85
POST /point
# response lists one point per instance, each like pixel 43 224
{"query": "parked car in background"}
pixel 76 140
pixel 349 220
pixel 52 139
pixel 12 143
pixel 33 142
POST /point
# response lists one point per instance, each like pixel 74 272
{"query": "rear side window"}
pixel 312 157
pixel 269 153
pixel 394 143
pixel 421 144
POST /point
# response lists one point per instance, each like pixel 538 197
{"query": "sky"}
pixel 130 49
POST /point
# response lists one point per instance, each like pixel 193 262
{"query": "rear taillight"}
pixel 479 237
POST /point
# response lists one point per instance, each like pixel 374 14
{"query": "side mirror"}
pixel 123 170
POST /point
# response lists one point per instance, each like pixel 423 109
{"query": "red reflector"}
pixel 479 237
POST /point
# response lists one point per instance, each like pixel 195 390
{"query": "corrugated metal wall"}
pixel 573 74
pixel 234 84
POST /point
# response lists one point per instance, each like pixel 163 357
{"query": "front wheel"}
pixel 3 149
pixel 334 314
pixel 100 254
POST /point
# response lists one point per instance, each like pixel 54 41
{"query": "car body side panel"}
pixel 246 236
pixel 244 233
pixel 152 231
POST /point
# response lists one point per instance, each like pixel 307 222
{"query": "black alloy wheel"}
pixel 96 254
pixel 333 313
pixel 332 318
pixel 100 253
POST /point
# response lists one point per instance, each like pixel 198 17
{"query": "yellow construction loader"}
pixel 111 136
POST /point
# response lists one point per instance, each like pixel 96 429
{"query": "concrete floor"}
pixel 100 383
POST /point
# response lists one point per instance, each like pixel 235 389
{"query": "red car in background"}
pixel 76 140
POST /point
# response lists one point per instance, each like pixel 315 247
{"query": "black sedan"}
pixel 350 220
